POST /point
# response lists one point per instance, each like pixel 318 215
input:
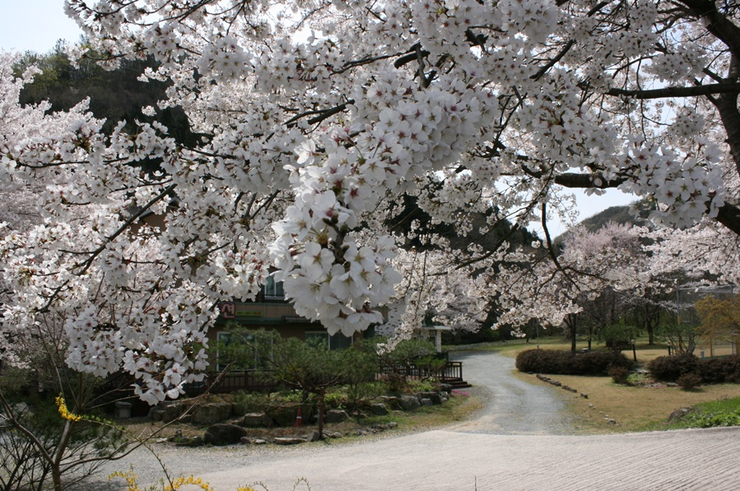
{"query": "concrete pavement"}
pixel 445 460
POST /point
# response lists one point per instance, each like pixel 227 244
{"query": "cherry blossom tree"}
pixel 435 288
pixel 317 118
pixel 559 291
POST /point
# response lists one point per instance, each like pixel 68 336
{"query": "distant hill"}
pixel 618 214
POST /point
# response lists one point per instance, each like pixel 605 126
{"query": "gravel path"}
pixel 514 407
pixel 519 442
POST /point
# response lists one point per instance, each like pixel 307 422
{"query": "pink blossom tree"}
pixel 559 291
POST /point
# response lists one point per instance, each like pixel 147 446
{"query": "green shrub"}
pixel 618 337
pixel 567 363
pixel 422 386
pixel 598 362
pixel 689 381
pixel 396 383
pixel 542 361
pixel 250 402
pixel 720 370
pixel 709 420
pixel 619 374
pixel 336 400
pixel 670 368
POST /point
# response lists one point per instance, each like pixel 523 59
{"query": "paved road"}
pixel 514 407
pixel 485 455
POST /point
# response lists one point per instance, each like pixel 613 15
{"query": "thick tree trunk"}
pixel 571 322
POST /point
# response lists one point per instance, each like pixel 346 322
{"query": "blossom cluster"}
pixel 319 121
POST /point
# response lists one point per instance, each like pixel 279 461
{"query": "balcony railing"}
pixel 450 372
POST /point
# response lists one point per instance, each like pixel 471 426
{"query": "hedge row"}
pixel 567 363
pixel 711 370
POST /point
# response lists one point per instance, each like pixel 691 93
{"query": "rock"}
pixel 211 413
pixel 171 410
pixel 286 415
pixel 195 441
pixel 679 414
pixel 585 396
pixel 237 410
pixel 248 440
pixel 156 413
pixel 387 426
pixel 288 441
pixel 391 401
pixel 224 434
pixel 336 416
pixel 409 403
pixel 435 397
pixel 256 420
pixel 378 409
pixel 313 436
pixel 332 434
pixel 426 402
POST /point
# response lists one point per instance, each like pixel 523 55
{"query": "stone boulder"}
pixel 256 420
pixel 391 401
pixel 285 415
pixel 224 434
pixel 336 416
pixel 409 403
pixel 167 411
pixel 378 409
pixel 435 397
pixel 288 441
pixel 313 436
pixel 679 414
pixel 211 413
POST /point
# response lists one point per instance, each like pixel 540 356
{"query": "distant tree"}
pixel 559 291
pixel 307 366
pixel 114 96
pixel 719 316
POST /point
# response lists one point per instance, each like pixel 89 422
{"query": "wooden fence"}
pixel 451 372
pixel 247 380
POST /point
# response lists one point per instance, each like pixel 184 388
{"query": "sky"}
pixel 36 25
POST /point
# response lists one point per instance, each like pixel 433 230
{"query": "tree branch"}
pixel 699 90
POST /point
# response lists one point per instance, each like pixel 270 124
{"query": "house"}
pixel 270 310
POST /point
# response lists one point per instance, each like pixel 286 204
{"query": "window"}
pixel 243 352
pixel 337 341
pixel 273 289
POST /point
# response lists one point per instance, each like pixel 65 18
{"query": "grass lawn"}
pixel 633 408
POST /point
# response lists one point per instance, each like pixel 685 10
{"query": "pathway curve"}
pixel 514 407
pixel 484 455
